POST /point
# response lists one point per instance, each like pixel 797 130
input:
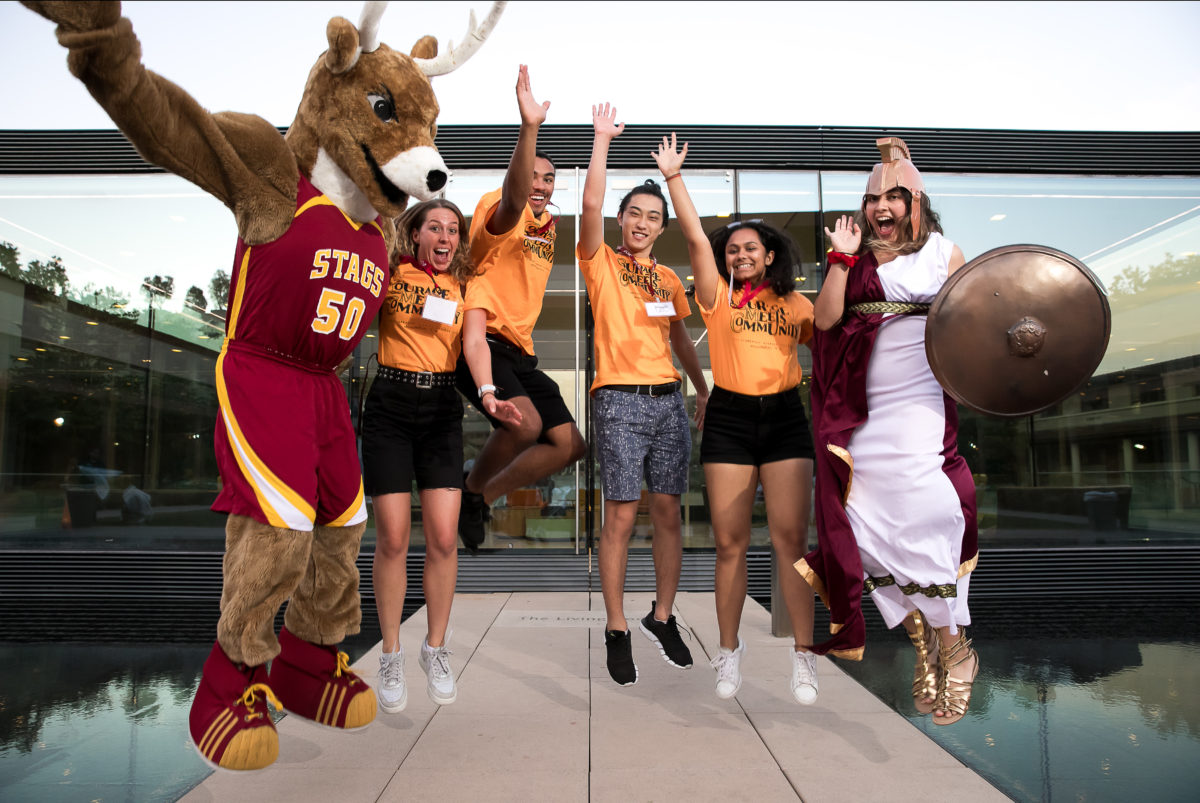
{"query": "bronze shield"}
pixel 1017 330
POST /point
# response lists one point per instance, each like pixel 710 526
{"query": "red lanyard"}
pixel 423 265
pixel 541 230
pixel 640 268
pixel 747 295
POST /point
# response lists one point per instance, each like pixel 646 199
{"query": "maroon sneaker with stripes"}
pixel 317 683
pixel 229 721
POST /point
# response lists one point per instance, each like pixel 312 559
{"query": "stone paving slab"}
pixel 538 718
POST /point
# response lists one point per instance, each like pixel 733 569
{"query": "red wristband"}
pixel 849 260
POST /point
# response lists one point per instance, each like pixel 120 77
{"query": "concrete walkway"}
pixel 538 718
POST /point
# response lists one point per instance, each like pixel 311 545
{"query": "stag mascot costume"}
pixel 313 211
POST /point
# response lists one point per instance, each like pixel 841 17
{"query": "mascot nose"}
pixel 435 180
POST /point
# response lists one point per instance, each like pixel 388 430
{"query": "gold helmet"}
pixel 897 170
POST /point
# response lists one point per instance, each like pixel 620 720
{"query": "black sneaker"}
pixel 470 518
pixel 621 667
pixel 666 636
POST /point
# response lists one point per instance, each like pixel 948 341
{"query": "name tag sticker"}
pixel 660 309
pixel 439 309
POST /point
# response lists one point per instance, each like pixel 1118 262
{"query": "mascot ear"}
pixel 425 48
pixel 343 45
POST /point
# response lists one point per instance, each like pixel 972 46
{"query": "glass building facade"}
pixel 113 286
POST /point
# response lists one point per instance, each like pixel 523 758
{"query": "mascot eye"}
pixel 382 106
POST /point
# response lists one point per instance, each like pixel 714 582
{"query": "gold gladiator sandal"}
pixel 925 673
pixel 954 694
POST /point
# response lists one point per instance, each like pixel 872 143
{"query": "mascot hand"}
pixel 74 17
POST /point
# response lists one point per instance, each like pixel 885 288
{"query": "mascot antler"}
pixel 454 58
pixel 368 25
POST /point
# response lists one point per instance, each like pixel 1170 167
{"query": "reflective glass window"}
pixel 113 313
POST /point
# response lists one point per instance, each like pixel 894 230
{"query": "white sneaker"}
pixel 436 663
pixel 393 695
pixel 804 677
pixel 728 664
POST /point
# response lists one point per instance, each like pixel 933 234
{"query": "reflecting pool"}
pixel 102 722
pixel 1090 719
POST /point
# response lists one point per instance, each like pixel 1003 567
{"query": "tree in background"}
pixel 1156 280
pixel 106 299
pixel 50 275
pixel 218 288
pixel 9 262
pixel 195 299
pixel 158 288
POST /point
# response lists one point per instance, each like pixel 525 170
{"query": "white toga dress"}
pixel 905 513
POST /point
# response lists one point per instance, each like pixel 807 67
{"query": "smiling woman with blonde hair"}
pixel 412 430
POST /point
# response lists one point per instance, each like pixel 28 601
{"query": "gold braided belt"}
pixel 896 307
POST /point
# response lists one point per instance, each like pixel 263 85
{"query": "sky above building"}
pixel 1046 65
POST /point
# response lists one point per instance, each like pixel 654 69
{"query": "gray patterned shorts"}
pixel 640 437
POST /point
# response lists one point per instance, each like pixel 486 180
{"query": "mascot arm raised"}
pixel 363 133
pixel 240 159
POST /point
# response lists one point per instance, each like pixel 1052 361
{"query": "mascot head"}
pixel 365 127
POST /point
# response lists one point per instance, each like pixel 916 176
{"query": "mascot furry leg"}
pixel 309 676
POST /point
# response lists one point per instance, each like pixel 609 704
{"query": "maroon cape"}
pixel 839 406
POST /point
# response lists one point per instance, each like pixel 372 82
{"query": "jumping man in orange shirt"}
pixel 512 243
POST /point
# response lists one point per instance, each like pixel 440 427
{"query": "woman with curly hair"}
pixel 755 429
pixel 412 430
pixel 895 500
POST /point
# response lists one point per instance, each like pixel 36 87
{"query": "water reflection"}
pixel 1068 719
pixel 91 722
pixel 103 721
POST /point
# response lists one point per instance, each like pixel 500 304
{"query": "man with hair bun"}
pixel 641 423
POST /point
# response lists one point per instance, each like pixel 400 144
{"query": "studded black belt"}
pixel 422 379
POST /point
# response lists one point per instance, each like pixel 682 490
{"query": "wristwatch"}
pixel 486 389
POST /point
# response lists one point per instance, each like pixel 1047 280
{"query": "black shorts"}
pixel 752 430
pixel 411 433
pixel 515 373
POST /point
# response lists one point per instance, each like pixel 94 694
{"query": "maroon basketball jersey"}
pixel 310 295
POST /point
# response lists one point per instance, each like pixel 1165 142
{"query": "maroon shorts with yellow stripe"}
pixel 285 447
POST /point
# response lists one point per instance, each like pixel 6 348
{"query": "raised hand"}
pixel 532 112
pixel 604 121
pixel 668 157
pixel 846 235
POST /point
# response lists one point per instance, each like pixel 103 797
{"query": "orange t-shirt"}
pixel 411 342
pixel 514 268
pixel 632 346
pixel 753 349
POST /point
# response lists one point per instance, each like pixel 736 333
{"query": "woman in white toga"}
pixel 895 503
